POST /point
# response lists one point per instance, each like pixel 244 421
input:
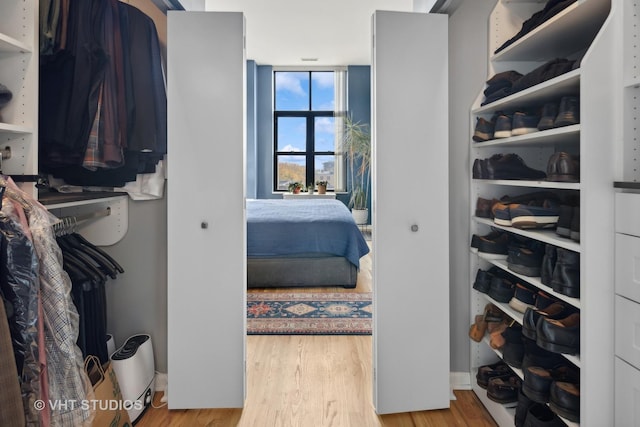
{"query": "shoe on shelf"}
pixel 566 273
pixel 532 216
pixel 524 403
pixel 483 130
pixel 574 233
pixel 504 389
pixel 475 239
pixel 502 289
pixel 494 247
pixel 501 215
pixel 559 336
pixel 563 167
pixel 548 117
pixel 540 415
pixel 523 298
pixel 484 207
pixel 569 112
pixel 564 400
pixel 524 123
pixel 536 356
pixel 503 126
pixel 526 262
pixel 549 261
pixel 511 166
pixel 563 227
pixel 513 347
pixel 537 381
pixel 486 372
pixel 532 316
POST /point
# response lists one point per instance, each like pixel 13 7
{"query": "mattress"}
pixel 283 228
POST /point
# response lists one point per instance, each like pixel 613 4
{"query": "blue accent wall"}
pixel 358 105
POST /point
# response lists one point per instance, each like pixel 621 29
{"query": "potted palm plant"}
pixel 357 148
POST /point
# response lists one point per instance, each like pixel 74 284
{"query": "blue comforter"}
pixel 291 227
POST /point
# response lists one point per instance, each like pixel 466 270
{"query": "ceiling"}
pixel 334 32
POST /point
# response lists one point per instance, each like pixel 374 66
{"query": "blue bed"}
pixel 302 243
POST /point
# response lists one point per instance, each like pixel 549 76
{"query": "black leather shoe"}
pixel 494 245
pixel 564 400
pixel 566 273
pixel 548 263
pixel 502 289
pixel 537 381
pixel 536 356
pixel 524 403
pixel 559 336
pixel 575 224
pixel 557 310
pixel 486 372
pixel 513 348
pixel 540 415
pixel 504 389
pixel 526 262
pixel 483 281
pixel 511 166
pixel 483 130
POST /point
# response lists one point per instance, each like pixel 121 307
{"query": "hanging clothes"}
pixel 68 380
pixel 11 410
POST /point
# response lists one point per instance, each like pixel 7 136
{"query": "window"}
pixel 308 107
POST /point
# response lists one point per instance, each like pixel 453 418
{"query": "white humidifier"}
pixel 135 369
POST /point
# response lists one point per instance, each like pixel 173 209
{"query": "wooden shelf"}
pixel 563 135
pixel 556 38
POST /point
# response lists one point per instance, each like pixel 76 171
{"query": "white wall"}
pixel 468 53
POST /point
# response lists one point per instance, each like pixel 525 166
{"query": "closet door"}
pixel 410 207
pixel 206 278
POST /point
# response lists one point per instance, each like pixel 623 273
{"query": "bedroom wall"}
pixel 468 29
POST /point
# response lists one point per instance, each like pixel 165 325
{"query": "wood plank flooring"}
pixel 316 381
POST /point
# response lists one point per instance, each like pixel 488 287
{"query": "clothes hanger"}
pixel 103 262
pixel 85 242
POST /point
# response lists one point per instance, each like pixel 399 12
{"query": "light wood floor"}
pixel 313 381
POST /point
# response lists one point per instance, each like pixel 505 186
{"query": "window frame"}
pixel 310 115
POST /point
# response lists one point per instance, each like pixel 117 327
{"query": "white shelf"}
pixel 546 236
pixel 535 281
pixel 9 44
pixel 550 90
pixel 18 129
pixel 536 184
pixel 562 135
pixel 502 414
pixel 556 38
pixel 632 83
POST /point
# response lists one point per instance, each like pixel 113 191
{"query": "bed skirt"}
pixel 279 272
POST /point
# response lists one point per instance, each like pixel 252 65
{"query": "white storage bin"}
pixel 627 340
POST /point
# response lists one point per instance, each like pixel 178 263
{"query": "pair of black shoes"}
pixel 505 166
pixel 497 283
pixel 569 222
pixel 560 387
pixel 561 270
pixel 565 114
pixel 532 414
pixel 501 383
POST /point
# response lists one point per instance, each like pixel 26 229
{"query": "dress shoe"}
pixel 526 262
pixel 575 225
pixel 564 400
pixel 536 356
pixel 532 316
pixel 537 381
pixel 563 167
pixel 559 336
pixel 486 372
pixel 504 389
pixel 540 415
pixel 511 166
pixel 548 264
pixel 566 273
pixel 502 289
pixel 484 207
pixel 563 228
pixel 549 114
pixel 493 246
pixel 483 281
pixel 569 111
pixel 513 347
pixel 500 214
pixel 524 403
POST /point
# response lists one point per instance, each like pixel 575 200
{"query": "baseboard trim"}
pixel 460 380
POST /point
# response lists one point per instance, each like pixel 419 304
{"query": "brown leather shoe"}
pixel 559 336
pixel 563 167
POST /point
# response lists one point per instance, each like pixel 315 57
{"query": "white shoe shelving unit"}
pixel 582 30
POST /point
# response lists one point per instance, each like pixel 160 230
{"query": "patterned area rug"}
pixel 297 313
